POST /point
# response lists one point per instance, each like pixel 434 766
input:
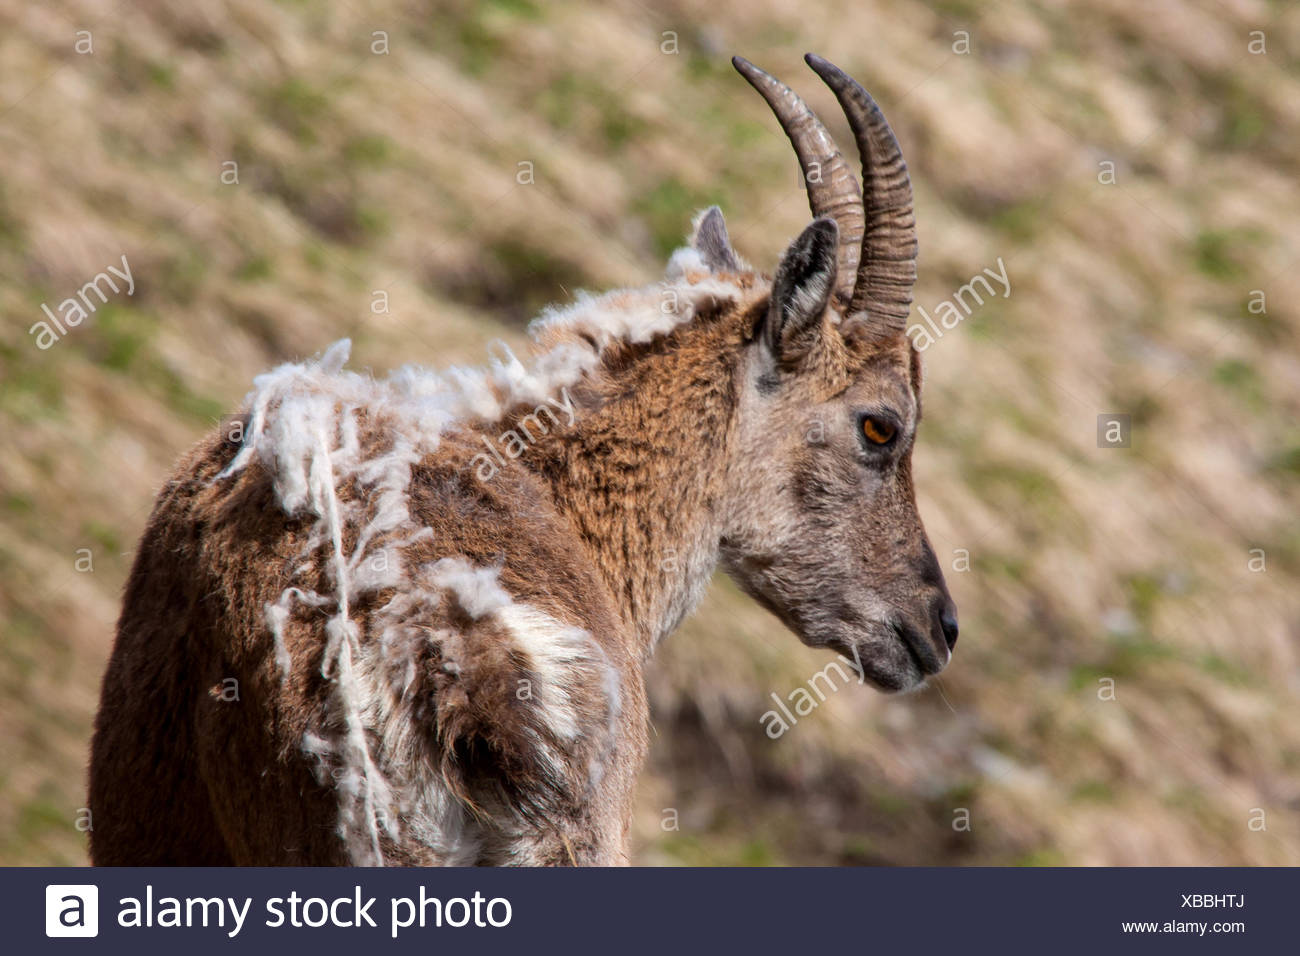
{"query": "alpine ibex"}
pixel 435 593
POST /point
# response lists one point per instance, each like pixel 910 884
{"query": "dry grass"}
pixel 361 172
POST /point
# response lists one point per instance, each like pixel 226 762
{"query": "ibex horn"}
pixel 877 227
pixel 888 266
pixel 832 188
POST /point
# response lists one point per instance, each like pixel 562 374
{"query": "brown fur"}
pixel 390 726
pixel 658 464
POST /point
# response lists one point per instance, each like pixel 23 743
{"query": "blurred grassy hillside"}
pixel 1134 166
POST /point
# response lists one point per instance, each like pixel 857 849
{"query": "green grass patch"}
pixel 1226 670
pixel 1093 791
pixel 182 276
pixel 315 255
pixel 12 230
pixel 38 817
pixel 1012 483
pixel 1040 857
pixel 368 151
pixel 687 849
pixel 756 853
pixel 119 340
pixel 890 804
pixel 577 103
pixel 1124 657
pixel 296 107
pixel 102 535
pixel 1128 654
pixel 253 269
pixel 30 389
pixel 1006 566
pixel 965 10
pixel 520 9
pixel 1285 462
pixel 1143 591
pixel 372 221
pixel 701 66
pixel 987 322
pixel 119 334
pixel 1240 378
pixel 17 503
pixel 1212 255
pixel 1243 118
pixel 1021 220
pixel 1223 254
pixel 482 29
pixel 21 652
pixel 136 73
pixel 162 76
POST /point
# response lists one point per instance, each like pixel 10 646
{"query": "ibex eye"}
pixel 877 430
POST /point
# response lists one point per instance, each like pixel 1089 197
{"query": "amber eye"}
pixel 878 431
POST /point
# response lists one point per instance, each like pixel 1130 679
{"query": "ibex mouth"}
pixel 922 651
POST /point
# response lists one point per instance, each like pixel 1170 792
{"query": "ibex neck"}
pixel 640 474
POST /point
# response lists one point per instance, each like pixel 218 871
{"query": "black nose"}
pixel 948 621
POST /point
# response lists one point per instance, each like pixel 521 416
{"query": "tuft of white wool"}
pixel 303 428
pixel 557 653
pixel 277 615
pixel 477 589
pixel 684 260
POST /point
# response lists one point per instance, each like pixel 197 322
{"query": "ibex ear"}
pixel 713 244
pixel 801 291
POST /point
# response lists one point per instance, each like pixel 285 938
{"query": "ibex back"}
pixel 433 595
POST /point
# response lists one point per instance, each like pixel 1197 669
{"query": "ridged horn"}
pixel 883 289
pixel 832 188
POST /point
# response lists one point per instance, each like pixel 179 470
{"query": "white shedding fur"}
pixel 558 652
pixel 477 589
pixel 684 260
pixel 277 615
pixel 303 428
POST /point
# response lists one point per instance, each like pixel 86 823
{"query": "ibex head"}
pixel 823 528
